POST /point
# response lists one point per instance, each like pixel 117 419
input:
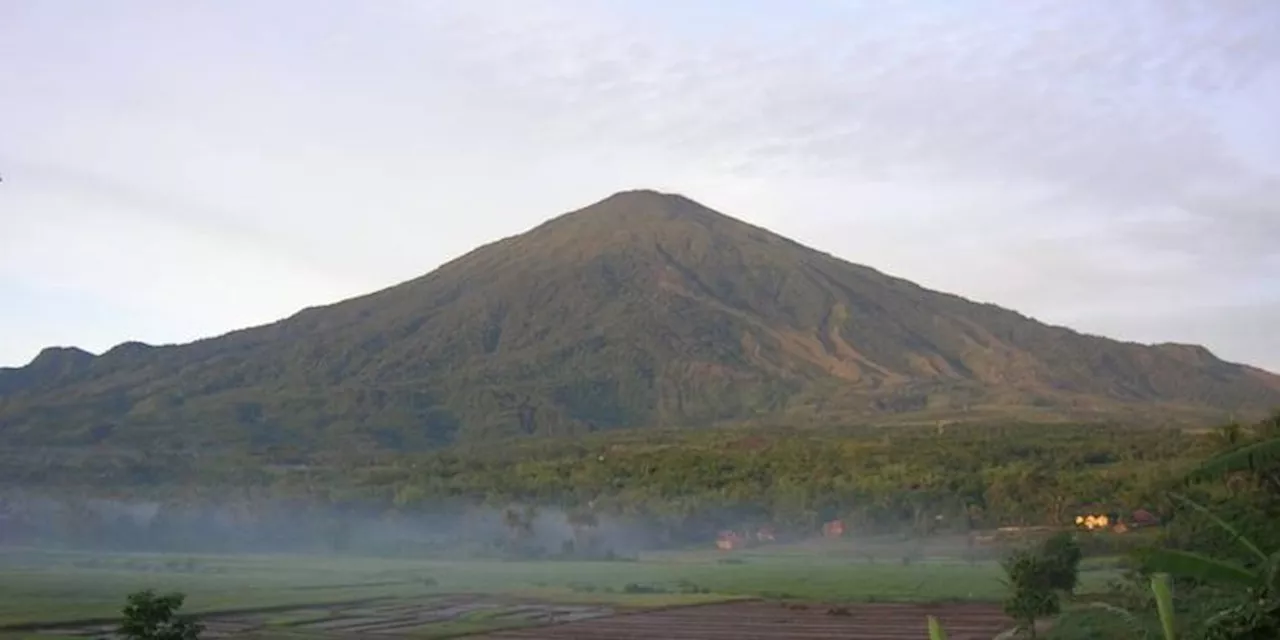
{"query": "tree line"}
pixel 687 485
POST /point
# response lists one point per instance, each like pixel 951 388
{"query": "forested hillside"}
pixel 681 486
pixel 643 310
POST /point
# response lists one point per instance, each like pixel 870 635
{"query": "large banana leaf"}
pixel 1120 613
pixel 1194 565
pixel 1253 457
pixel 1236 536
pixel 1273 573
pixel 1163 589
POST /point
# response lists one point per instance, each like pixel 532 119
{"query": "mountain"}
pixel 644 309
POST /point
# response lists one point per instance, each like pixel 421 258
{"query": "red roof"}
pixel 1142 516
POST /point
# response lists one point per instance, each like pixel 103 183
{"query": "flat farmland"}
pixel 514 619
pixel 73 594
pixel 772 621
pixel 427 618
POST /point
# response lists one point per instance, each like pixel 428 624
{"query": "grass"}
pixel 44 587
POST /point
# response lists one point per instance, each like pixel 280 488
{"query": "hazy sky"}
pixel 173 170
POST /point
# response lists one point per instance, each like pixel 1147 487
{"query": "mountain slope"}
pixel 642 309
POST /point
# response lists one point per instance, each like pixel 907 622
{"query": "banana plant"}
pixel 1261 457
pixel 1260 580
pixel 1263 580
pixel 1162 589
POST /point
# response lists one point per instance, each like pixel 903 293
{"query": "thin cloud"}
pixel 1067 159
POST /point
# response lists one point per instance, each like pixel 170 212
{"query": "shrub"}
pixel 148 616
pixel 1062 554
pixel 1031 592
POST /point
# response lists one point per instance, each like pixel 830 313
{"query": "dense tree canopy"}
pixel 910 480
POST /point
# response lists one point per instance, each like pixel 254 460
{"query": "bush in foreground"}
pixel 149 616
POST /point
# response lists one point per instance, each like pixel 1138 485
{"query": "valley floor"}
pixel 74 594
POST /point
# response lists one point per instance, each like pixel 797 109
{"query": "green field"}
pixel 45 587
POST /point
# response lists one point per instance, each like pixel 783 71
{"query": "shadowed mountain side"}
pixel 644 309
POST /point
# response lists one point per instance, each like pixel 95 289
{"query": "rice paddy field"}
pixel 48 595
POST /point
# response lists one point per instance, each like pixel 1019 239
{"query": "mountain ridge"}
pixel 643 309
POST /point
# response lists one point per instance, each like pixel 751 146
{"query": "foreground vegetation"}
pixel 1214 572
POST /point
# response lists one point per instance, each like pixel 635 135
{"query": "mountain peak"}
pixel 641 204
pixel 642 193
pixel 127 349
pixel 51 364
pixel 61 357
pixel 626 222
pixel 643 309
pixel 647 197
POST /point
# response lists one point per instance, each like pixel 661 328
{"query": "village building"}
pixel 833 529
pixel 730 540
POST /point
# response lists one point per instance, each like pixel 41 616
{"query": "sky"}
pixel 175 170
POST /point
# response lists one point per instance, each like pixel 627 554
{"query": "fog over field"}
pixel 293 526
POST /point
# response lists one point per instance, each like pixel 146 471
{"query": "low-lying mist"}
pixel 285 526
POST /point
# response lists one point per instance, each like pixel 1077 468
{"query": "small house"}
pixel 1143 518
pixel 1139 519
pixel 833 529
pixel 729 540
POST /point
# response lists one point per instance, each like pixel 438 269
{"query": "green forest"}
pixel 878 479
pixel 909 480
